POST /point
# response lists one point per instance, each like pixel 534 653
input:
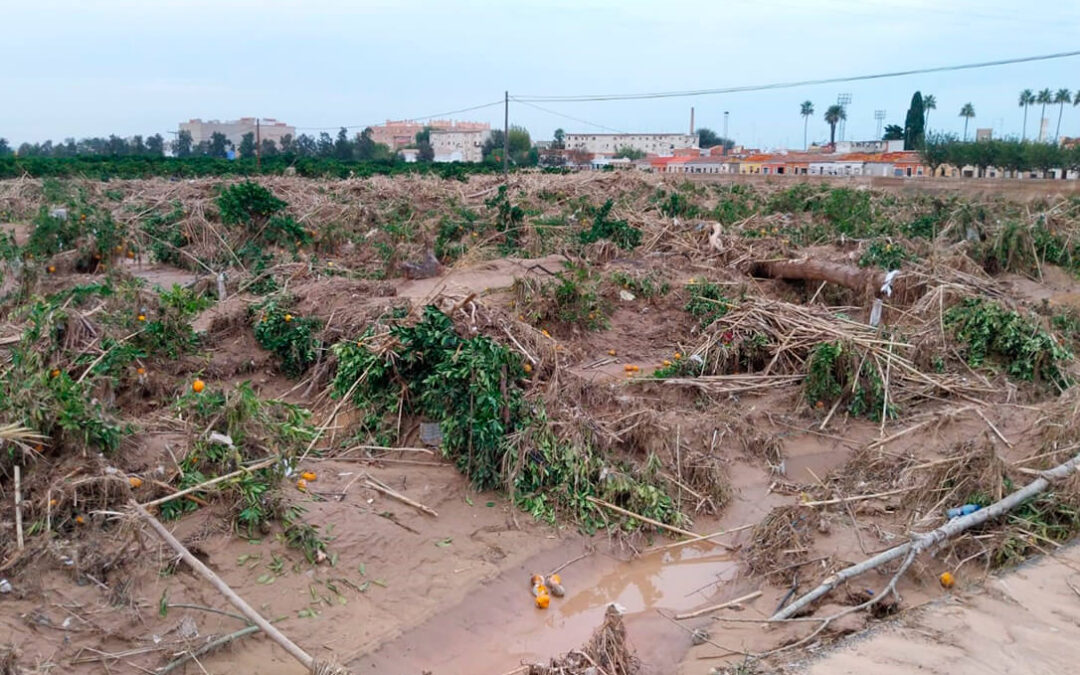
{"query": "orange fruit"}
pixel 39 448
pixel 288 318
pixel 53 502
pixel 947 580
pixel 55 372
pixel 555 579
pixel 542 601
pixel 678 356
pixel 666 363
pixel 141 317
pixel 527 368
pixel 80 520
pixel 52 269
pixel 140 371
pixel 820 405
pixel 308 475
pixel 197 386
pixel 536 580
pixel 134 481
pixel 130 254
pixel 611 352
pixel 545 333
pixel 301 484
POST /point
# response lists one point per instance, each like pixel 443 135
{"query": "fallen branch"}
pixel 921 542
pixel 856 498
pixel 213 481
pixel 699 538
pixel 655 523
pixel 247 610
pixel 209 646
pixel 808 269
pixel 723 605
pixel 383 489
pixel 18 506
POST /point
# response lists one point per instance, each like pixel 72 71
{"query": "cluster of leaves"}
pixel 467 385
pixel 835 373
pixel 1005 154
pixel 989 332
pixel 258 428
pixel 646 286
pixel 508 218
pixel 624 235
pixel 707 301
pixel 291 338
pixel 556 476
pixel 674 204
pixel 886 255
pixel 85 227
pixel 471 387
pixel 256 208
pixel 574 298
pixel 162 229
pixel 448 240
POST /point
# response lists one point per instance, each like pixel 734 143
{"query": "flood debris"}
pixel 606 652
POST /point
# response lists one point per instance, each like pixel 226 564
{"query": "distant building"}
pixel 269 128
pixel 984 135
pixel 459 145
pixel 410 155
pixel 662 145
pixel 399 133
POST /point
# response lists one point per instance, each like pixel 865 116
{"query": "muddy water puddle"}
pixel 496 627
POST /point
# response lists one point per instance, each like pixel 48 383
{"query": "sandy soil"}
pixel 1023 622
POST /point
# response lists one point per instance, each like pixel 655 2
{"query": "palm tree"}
pixel 833 115
pixel 928 103
pixel 967 112
pixel 1045 96
pixel 1062 97
pixel 1026 99
pixel 806 110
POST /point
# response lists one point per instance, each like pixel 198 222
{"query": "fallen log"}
pixel 921 542
pixel 313 666
pixel 808 269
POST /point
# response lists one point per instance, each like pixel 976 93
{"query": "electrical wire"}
pixel 789 85
pixel 569 117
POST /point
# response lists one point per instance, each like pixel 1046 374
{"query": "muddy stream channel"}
pixel 497 627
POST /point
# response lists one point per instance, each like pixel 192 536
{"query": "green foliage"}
pixel 258 428
pixel 467 385
pixel 848 210
pixel 834 374
pixel 624 235
pixel 247 203
pixel 573 298
pixel 886 255
pixel 707 301
pixel 165 235
pixel 291 338
pixel 508 218
pixel 1051 517
pixel 645 286
pixel 627 152
pixel 990 333
pixel 676 205
pixel 448 240
pixel 914 123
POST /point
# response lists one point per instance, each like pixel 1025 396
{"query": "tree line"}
pixel 1012 155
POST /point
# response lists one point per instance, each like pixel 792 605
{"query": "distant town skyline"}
pixel 126 67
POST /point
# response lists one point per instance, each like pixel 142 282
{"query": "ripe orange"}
pixel 134 481
pixel 288 318
pixel 80 520
pixel 197 386
pixel 308 475
pixel 55 372
pixel 52 269
pixel 527 368
pixel 611 352
pixel 301 484
pixel 140 371
pixel 543 600
pixel 820 405
pixel 141 317
pixel 947 580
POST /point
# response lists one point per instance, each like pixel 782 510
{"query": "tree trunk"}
pixel 808 269
pixel 806 123
pixel 1057 131
pixel 1023 135
pixel 965 128
pixel 832 134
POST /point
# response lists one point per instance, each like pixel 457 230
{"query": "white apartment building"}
pixel 234 130
pixel 663 145
pixel 459 145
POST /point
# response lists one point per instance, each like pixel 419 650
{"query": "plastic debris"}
pixel 962 510
pixel 5 586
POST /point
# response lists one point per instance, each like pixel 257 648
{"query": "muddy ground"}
pixel 405 592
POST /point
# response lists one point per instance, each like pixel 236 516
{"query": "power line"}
pixel 569 117
pixel 800 83
pixel 424 117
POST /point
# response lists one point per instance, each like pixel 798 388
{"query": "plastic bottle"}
pixel 962 510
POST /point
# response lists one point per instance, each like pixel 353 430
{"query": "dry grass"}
pixel 606 652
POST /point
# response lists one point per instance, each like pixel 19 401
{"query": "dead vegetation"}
pixel 704 298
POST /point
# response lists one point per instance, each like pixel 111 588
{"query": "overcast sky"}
pixel 94 67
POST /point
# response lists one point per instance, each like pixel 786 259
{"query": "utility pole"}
pixel 879 115
pixel 258 147
pixel 506 132
pixel 723 141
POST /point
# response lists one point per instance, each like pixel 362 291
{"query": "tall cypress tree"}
pixel 914 124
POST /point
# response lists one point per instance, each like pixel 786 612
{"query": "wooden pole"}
pixel 223 588
pixel 258 147
pixel 723 605
pixel 18 506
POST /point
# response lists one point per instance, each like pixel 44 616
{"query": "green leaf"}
pixel 443 543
